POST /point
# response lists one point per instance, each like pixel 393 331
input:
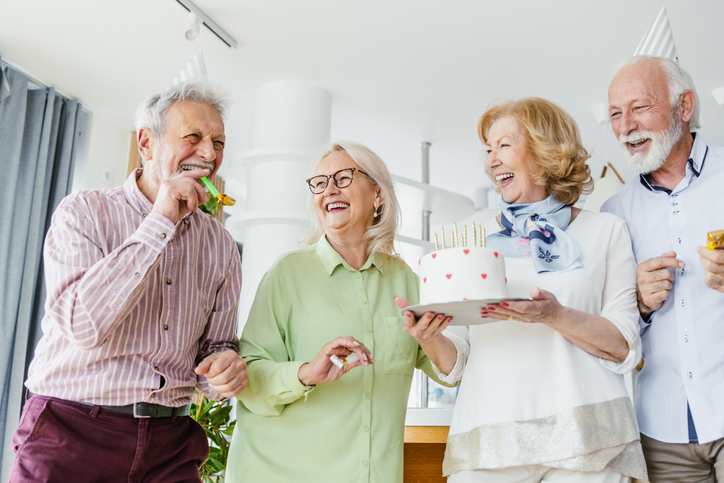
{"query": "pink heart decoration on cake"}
pixel 466 251
pixel 484 275
pixel 496 254
pixel 419 261
pixel 424 280
pixel 448 276
pixel 506 279
pixel 465 298
pixel 434 255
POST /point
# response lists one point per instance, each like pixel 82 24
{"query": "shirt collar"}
pixel 694 166
pixel 331 259
pixel 135 198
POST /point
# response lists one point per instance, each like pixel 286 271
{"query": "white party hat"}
pixel 195 69
pixel 659 40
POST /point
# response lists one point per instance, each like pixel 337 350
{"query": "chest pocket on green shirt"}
pixel 400 349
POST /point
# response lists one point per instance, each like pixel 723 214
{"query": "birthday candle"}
pixel 465 235
pixel 442 231
pixel 475 238
pixel 436 245
pixel 481 242
pixel 455 235
pixel 484 241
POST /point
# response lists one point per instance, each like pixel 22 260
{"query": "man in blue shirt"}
pixel 669 209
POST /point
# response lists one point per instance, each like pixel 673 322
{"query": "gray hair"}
pixel 677 80
pixel 152 112
pixel 380 237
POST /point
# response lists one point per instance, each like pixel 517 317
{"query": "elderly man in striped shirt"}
pixel 141 311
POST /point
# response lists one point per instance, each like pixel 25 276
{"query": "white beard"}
pixel 661 144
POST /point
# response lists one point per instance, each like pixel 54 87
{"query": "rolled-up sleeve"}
pixel 619 304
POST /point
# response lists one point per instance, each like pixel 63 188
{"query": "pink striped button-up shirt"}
pixel 133 298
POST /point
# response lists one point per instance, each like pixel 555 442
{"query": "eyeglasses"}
pixel 342 179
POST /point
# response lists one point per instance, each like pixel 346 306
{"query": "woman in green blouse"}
pixel 302 419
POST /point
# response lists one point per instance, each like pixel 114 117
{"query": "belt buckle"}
pixel 142 410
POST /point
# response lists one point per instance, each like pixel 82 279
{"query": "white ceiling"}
pixel 399 71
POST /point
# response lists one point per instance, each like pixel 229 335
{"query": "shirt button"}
pixel 366 428
pixel 691 376
pixel 685 338
pixel 369 328
pixel 682 303
pixel 168 281
pixel 365 463
pixel 155 368
pixel 143 215
pixel 679 239
pixel 153 395
pixel 165 327
pixel 137 274
pixel 162 235
pixel 675 212
pixel 368 395
pixel 364 302
pixel 357 275
pixel 682 271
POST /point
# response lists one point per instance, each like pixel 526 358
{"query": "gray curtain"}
pixel 38 133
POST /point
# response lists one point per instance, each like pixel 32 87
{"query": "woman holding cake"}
pixel 301 418
pixel 542 396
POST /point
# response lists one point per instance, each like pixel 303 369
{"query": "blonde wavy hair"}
pixel 380 237
pixel 553 143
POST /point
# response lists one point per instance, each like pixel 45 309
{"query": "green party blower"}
pixel 221 199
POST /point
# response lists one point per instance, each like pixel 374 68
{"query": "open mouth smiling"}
pixel 336 206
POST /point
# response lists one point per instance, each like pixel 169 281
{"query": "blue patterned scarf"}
pixel 537 231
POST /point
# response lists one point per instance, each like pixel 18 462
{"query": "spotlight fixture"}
pixel 192 30
pixel 197 15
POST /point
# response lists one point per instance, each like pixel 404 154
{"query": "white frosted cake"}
pixel 462 273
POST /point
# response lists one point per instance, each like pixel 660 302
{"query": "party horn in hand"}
pixel 715 239
pixel 221 199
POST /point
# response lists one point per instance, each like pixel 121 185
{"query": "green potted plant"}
pixel 215 418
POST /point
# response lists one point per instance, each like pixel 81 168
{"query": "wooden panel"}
pixel 134 157
pixel 423 463
pixel 426 434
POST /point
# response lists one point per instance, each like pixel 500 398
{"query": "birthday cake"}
pixel 462 273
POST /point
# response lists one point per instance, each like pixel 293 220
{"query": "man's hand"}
pixel 654 281
pixel 713 261
pixel 180 194
pixel 225 371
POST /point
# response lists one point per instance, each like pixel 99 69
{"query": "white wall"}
pixel 107 160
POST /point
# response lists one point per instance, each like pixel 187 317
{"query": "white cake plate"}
pixel 464 312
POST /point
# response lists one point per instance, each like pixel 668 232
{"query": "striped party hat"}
pixel 196 68
pixel 659 40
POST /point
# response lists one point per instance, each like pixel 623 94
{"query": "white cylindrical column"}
pixel 290 124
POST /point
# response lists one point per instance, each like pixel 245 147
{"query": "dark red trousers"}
pixel 59 441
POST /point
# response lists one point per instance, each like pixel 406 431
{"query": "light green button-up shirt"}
pixel 347 431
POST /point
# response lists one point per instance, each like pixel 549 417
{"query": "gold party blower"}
pixel 225 200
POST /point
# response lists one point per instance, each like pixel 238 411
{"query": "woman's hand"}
pixel 321 369
pixel 592 333
pixel 544 309
pixel 427 331
pixel 427 327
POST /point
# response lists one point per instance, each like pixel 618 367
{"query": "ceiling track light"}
pixel 198 17
pixel 192 30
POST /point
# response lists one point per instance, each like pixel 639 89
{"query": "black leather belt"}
pixel 148 410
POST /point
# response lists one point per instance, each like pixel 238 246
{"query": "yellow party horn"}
pixel 221 199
